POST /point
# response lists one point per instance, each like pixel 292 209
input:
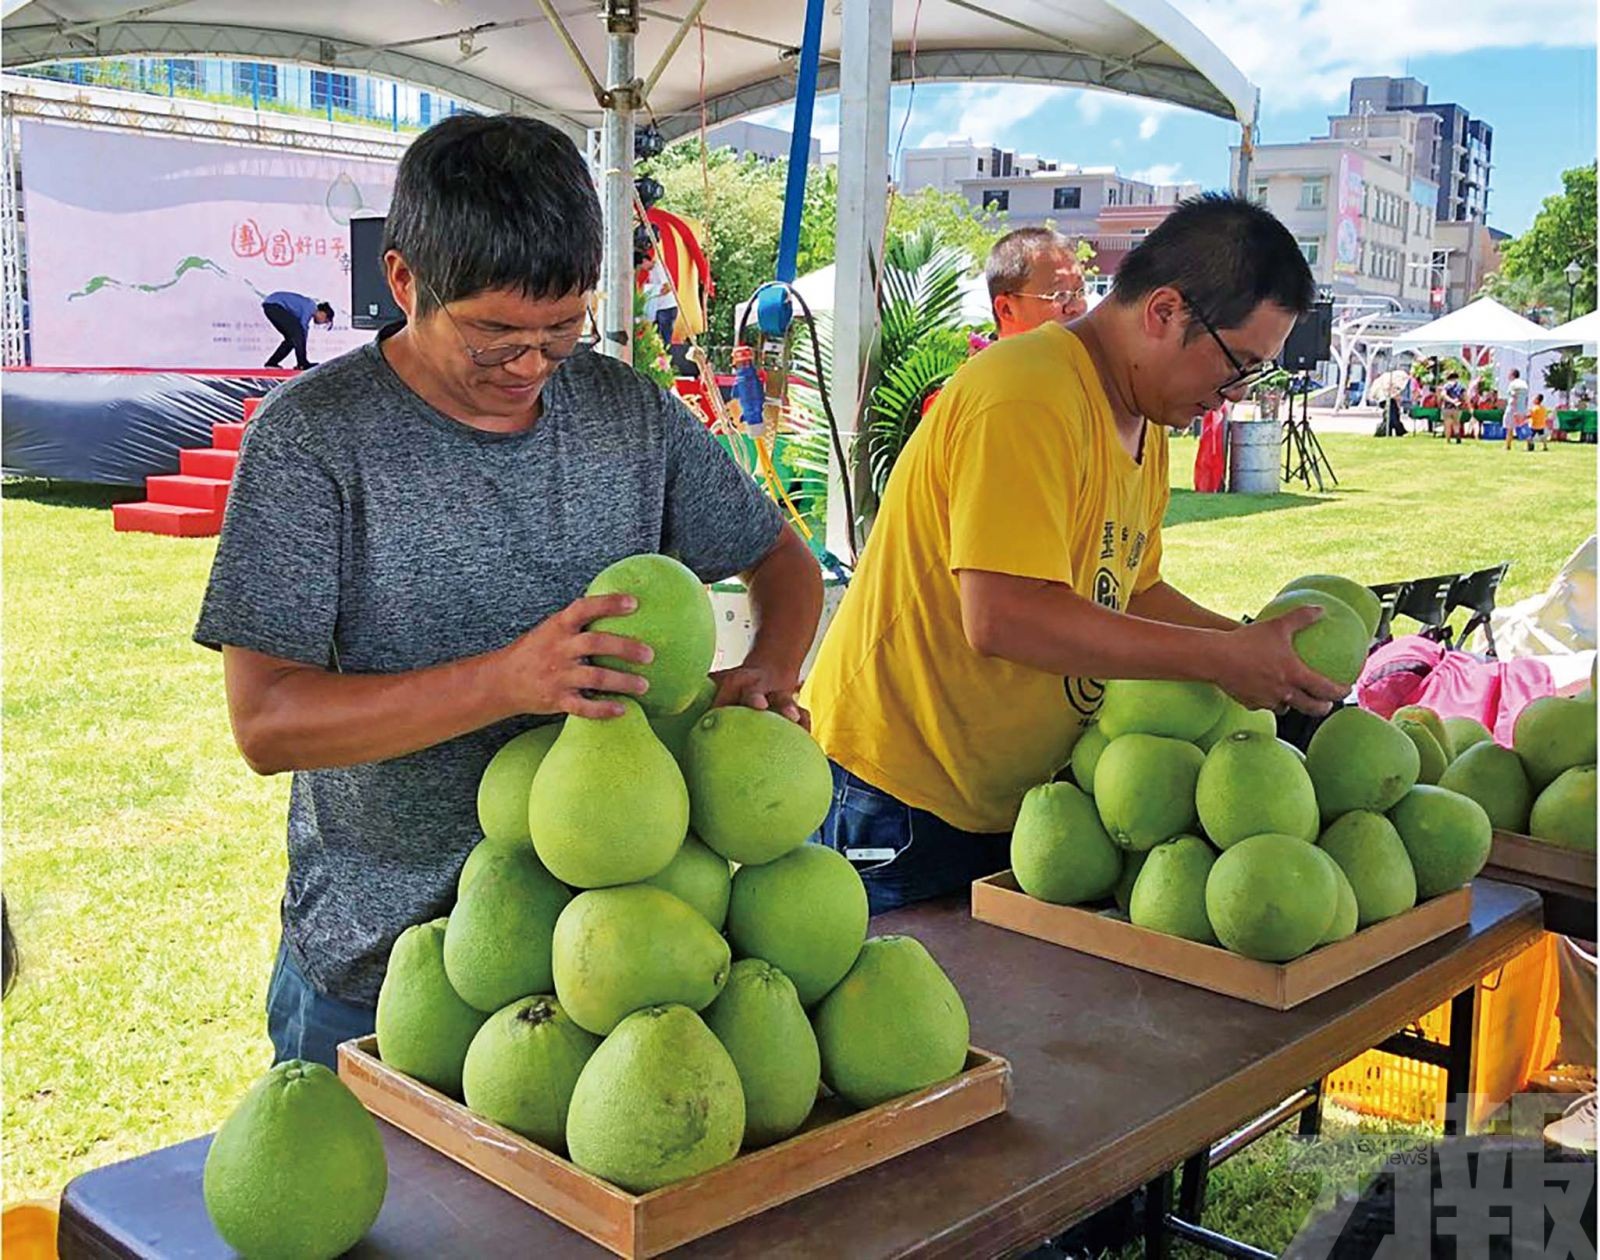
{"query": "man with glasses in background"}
pixel 1016 559
pixel 399 586
pixel 1034 276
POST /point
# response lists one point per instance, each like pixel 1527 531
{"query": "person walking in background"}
pixel 1452 399
pixel 292 314
pixel 1538 423
pixel 1516 413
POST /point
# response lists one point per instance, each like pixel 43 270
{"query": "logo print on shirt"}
pixel 1084 694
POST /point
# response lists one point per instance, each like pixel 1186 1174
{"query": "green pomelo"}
pixel 1369 851
pixel 1431 759
pixel 1144 789
pixel 1358 761
pixel 1553 734
pixel 485 851
pixel 424 1026
pixel 1360 599
pixel 1335 646
pixel 297 1171
pixel 659 1101
pixel 893 1025
pixel 700 877
pixel 1464 732
pixel 806 914
pixel 1564 814
pixel 503 790
pixel 672 729
pixel 1177 710
pixel 760 1022
pixel 1235 717
pixel 1249 785
pixel 608 805
pixel 1132 863
pixel 758 783
pixel 618 950
pixel 497 944
pixel 1446 834
pixel 523 1066
pixel 1169 894
pixel 1296 750
pixel 1435 724
pixel 1271 897
pixel 1346 913
pixel 1493 776
pixel 1086 756
pixel 1060 851
pixel 674 617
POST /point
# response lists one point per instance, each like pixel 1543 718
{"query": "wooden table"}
pixel 1119 1075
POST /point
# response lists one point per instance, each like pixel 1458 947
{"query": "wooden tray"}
pixel 999 901
pixel 835 1143
pixel 1514 854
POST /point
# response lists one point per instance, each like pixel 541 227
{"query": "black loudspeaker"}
pixel 1311 341
pixel 371 303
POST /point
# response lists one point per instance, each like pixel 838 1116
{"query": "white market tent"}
pixel 1583 332
pixel 1482 323
pixel 644 56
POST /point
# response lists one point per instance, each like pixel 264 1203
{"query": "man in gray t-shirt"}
pixel 399 585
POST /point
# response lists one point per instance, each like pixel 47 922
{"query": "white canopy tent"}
pixel 1482 323
pixel 1583 332
pixel 573 63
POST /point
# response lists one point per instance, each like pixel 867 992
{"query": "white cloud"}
pixel 1148 125
pixel 1159 173
pixel 986 110
pixel 1307 51
pixel 1094 105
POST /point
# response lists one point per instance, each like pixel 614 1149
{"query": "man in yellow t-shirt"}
pixel 1016 557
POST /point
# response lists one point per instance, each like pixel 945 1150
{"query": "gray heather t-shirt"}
pixel 369 533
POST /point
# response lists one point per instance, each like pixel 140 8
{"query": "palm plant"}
pixel 920 341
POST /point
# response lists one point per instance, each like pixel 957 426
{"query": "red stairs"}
pixel 189 503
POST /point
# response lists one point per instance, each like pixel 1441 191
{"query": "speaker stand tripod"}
pixel 1303 456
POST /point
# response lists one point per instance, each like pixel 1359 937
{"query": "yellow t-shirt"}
pixel 1538 418
pixel 1016 469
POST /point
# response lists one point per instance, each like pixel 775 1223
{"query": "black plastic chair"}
pixel 1388 596
pixel 1426 600
pixel 1476 592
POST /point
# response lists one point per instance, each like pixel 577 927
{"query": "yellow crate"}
pixel 1516 1036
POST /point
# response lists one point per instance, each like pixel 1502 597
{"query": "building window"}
pixel 1313 194
pixel 997 199
pixel 333 91
pixel 980 166
pixel 184 74
pixel 255 79
pixel 1069 198
pixel 1311 247
pixel 1111 195
pixel 1261 193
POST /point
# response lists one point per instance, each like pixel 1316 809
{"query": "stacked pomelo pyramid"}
pixel 1191 813
pixel 648 967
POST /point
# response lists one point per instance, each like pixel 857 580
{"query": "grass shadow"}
pixel 1190 506
pixel 68 494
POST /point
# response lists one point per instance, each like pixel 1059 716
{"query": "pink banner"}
pixel 1347 216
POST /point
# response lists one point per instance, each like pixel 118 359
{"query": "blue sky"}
pixel 1528 68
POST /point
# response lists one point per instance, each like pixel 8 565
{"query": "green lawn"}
pixel 143 861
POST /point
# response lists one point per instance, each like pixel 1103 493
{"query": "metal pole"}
pixel 616 194
pixel 867 42
pixel 14 341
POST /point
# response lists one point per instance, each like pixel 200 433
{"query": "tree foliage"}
pixel 1563 231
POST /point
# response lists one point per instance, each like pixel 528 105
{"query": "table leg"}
pixel 1157 1203
pixel 1192 1192
pixel 1311 1117
pixel 1458 1068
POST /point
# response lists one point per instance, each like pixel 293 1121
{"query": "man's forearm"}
pixel 1046 626
pixel 786 604
pixel 1166 603
pixel 302 718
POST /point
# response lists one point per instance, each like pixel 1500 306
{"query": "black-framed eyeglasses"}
pixel 552 349
pixel 1243 377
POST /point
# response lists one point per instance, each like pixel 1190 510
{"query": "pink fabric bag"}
pixel 1415 670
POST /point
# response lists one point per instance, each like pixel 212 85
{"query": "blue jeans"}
pixel 905 855
pixel 305 1024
